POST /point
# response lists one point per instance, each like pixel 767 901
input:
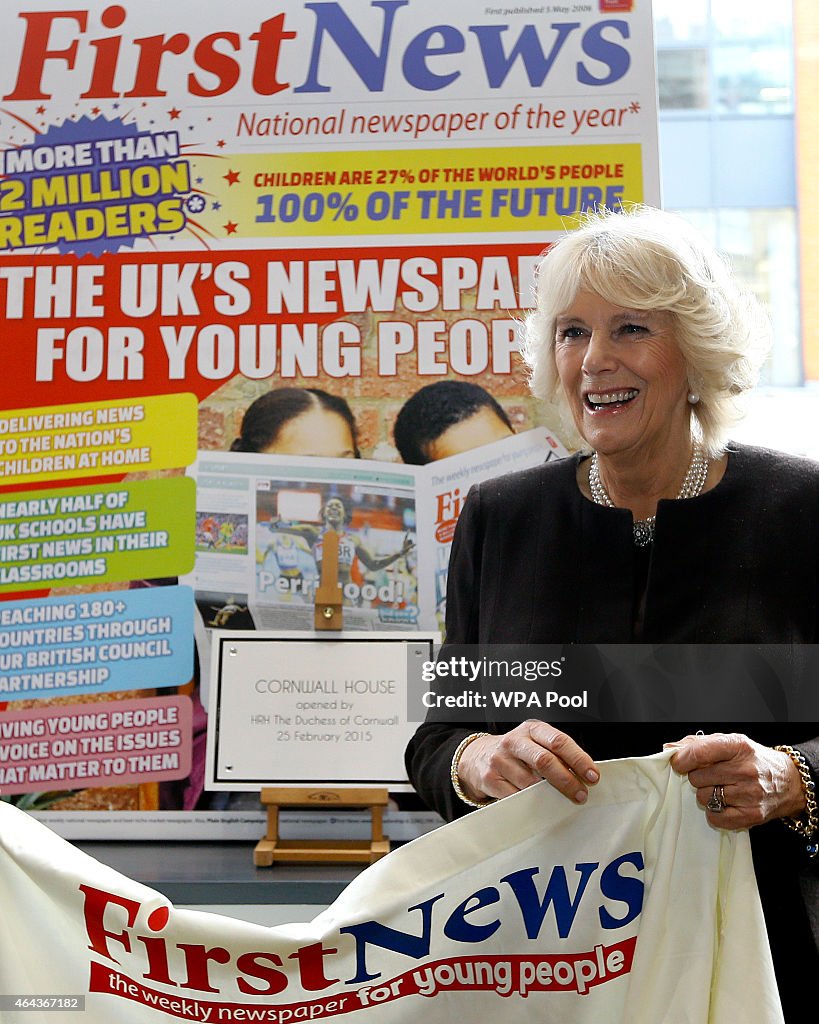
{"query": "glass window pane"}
pixel 676 22
pixel 682 78
pixel 762 246
pixel 769 23
pixel 753 80
pixel 705 221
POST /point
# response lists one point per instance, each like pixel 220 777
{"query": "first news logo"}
pixel 102 55
pixel 616 5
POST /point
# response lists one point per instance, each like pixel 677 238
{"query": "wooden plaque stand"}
pixel 339 851
pixel 328 615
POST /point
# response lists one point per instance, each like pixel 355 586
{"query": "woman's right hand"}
pixel 497 766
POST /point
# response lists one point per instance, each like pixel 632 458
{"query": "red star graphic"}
pixel 95 111
pixel 173 114
pixel 230 227
pixel 231 177
pixel 41 109
pixel 221 143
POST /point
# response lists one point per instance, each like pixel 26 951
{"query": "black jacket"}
pixel 534 561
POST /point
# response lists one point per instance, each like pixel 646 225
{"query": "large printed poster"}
pixel 291 230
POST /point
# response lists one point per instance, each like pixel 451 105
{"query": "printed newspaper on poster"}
pixel 260 521
pixel 199 204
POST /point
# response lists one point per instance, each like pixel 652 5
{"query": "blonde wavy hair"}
pixel 644 258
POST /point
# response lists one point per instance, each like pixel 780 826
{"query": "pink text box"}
pixel 78 746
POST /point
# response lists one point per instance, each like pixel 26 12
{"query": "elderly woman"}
pixel 657 530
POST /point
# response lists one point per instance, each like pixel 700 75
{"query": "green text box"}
pixel 88 535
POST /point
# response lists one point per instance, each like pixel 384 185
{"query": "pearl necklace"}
pixel 692 485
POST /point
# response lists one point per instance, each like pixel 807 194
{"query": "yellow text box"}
pixel 426 191
pixel 97 438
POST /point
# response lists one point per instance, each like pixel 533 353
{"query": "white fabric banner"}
pixel 628 909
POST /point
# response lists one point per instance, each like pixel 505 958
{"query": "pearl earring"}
pixel 693 397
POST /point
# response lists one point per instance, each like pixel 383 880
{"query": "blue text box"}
pixel 96 643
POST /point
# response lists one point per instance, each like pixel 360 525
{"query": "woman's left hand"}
pixel 758 783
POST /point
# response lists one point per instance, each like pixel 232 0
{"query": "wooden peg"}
pixel 329 594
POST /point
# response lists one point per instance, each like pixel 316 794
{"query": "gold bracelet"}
pixel 807 824
pixel 453 772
